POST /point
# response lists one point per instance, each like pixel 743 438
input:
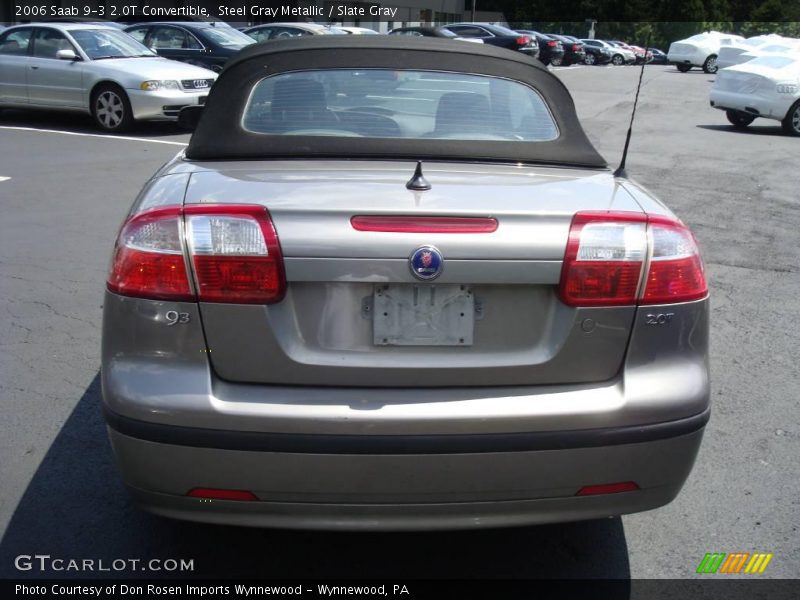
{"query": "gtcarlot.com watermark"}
pixel 44 563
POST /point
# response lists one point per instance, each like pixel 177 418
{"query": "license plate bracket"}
pixel 423 315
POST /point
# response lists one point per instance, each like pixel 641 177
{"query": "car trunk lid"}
pixel 354 313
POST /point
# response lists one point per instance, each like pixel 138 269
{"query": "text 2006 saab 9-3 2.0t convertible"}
pixel 391 285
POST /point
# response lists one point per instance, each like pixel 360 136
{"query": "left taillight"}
pixel 233 251
pixel 148 260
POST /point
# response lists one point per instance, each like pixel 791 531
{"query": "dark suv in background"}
pixel 208 45
pixel 497 35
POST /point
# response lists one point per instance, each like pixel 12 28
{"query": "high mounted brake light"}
pixel 232 250
pixel 617 259
pixel 423 224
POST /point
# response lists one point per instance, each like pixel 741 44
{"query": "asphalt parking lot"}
pixel 64 191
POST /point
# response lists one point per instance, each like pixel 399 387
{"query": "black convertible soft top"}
pixel 220 135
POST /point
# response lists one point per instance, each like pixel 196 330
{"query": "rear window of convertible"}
pixel 382 103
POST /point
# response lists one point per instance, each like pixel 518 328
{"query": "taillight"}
pixel 233 249
pixel 575 47
pixel 235 253
pixel 676 271
pixel 552 43
pixel 608 253
pixel 148 257
pixel 523 40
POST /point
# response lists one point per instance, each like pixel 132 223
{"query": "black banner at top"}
pixel 399 12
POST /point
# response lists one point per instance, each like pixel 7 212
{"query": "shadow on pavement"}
pixel 74 122
pixel 775 130
pixel 76 507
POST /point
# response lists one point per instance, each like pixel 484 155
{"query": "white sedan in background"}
pixel 768 87
pixel 740 52
pixel 96 69
pixel 700 50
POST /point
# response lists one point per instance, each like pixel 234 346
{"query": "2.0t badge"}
pixel 426 263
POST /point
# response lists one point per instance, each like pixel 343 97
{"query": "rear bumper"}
pixel 759 106
pixel 694 57
pixel 399 457
pixel 403 491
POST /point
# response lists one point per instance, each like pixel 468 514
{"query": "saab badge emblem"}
pixel 426 263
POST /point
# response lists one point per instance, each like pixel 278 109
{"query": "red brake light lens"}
pixel 523 40
pixel 607 254
pixel 234 250
pixel 411 224
pixel 552 43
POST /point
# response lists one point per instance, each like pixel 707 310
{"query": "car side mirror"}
pixel 67 54
pixel 189 117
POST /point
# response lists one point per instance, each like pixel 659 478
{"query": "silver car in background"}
pixel 96 69
pixel 390 284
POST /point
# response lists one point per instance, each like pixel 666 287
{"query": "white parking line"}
pixel 2 179
pixel 97 135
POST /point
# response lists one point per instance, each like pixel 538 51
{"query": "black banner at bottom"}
pixel 652 589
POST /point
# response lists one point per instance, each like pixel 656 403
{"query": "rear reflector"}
pixel 607 255
pixel 234 250
pixel 219 494
pixel 411 224
pixel 607 488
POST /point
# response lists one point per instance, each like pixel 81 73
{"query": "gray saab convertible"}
pixel 390 284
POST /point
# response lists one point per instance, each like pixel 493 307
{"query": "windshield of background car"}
pixel 380 103
pixel 500 30
pixel 108 43
pixel 228 37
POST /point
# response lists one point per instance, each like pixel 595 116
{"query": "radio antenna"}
pixel 620 172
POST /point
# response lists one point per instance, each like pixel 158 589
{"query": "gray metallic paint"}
pixel 307 365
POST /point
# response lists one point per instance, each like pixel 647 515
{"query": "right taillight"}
pixel 617 258
pixel 233 251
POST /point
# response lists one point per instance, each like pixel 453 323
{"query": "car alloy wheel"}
pixel 110 109
pixel 791 124
pixel 589 59
pixel 556 62
pixel 617 59
pixel 710 66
